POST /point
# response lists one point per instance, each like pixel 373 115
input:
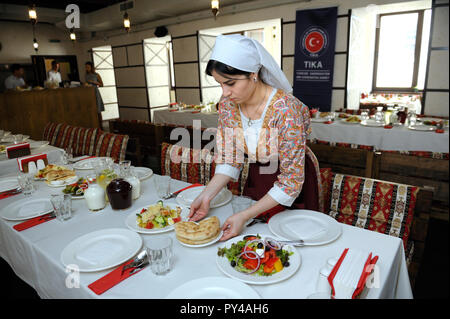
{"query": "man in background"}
pixel 53 74
pixel 16 78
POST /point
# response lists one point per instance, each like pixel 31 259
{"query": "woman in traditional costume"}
pixel 262 122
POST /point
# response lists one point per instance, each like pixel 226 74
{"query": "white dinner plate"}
pixel 27 208
pixel 64 183
pixel 87 163
pixel 422 127
pixel 215 240
pixel 101 249
pixel 7 184
pixel 186 197
pixel 143 172
pixel 213 288
pixel 38 144
pixel 314 228
pixel 130 221
pixel 372 123
pixel 225 266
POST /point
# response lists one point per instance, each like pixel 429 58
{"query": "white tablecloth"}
pixel 8 166
pixel 185 117
pixel 398 138
pixel 34 254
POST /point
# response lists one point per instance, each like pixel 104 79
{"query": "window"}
pixel 159 71
pixel 103 63
pixel 400 51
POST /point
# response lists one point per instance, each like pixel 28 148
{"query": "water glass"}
pixel 159 250
pixel 241 203
pixel 162 185
pixel 62 205
pixel 26 183
pixel 364 116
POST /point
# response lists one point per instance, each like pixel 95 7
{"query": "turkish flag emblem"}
pixel 314 42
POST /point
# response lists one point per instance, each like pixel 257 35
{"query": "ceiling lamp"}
pixel 32 14
pixel 73 36
pixel 126 22
pixel 215 7
pixel 35 45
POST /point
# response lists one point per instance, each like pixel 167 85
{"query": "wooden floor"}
pixel 431 283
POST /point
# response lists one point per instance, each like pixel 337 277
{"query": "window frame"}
pixel 419 33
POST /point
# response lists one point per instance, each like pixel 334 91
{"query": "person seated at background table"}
pixel 257 100
pixel 16 78
pixel 54 75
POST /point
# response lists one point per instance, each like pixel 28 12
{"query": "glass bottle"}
pixel 127 173
pixel 94 195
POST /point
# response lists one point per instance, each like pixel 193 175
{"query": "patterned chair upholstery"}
pixel 111 145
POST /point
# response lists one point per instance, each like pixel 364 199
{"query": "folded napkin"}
pixel 111 279
pixel 6 195
pixel 267 215
pixel 328 122
pixel 348 276
pixel 305 229
pixel 388 126
pixel 195 112
pixel 439 131
pixel 33 222
pixel 173 110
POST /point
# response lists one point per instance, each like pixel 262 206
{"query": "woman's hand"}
pixel 233 226
pixel 199 208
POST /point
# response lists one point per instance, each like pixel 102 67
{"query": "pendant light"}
pixel 32 14
pixel 126 22
pixel 215 7
pixel 35 45
pixel 73 36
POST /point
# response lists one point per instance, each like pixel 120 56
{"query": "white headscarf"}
pixel 249 55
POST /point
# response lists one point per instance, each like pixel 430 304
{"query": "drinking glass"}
pixel 18 138
pixel 364 116
pixel 379 116
pixel 62 205
pixel 162 185
pixel 26 183
pixel 240 203
pixel 159 250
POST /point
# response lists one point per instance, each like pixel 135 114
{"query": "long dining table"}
pixel 35 254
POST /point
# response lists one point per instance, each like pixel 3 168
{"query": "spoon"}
pixel 139 260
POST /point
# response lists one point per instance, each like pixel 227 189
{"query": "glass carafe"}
pixel 128 174
pixel 105 171
pixel 379 116
pixel 94 195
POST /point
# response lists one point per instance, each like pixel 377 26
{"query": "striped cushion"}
pixel 52 132
pixel 380 206
pixel 85 140
pixel 111 145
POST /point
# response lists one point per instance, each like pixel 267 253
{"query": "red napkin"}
pixel 328 122
pixel 439 131
pixel 190 186
pixel 173 110
pixel 388 126
pixel 111 279
pixel 87 158
pixel 267 215
pixel 7 195
pixel 33 222
pixel 195 112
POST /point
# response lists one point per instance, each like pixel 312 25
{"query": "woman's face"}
pixel 88 68
pixel 238 88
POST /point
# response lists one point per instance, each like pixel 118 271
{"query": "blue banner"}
pixel 315 42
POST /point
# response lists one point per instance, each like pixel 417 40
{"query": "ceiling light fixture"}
pixel 126 22
pixel 32 14
pixel 73 36
pixel 215 7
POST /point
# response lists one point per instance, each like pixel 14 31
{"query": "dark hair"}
pixel 90 63
pixel 223 69
pixel 54 63
pixel 15 67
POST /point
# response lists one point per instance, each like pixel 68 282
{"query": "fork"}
pixel 179 191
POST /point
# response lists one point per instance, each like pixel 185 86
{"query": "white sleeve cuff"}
pixel 228 170
pixel 281 197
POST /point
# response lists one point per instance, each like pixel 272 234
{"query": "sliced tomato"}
pixel 246 249
pixel 248 238
pixel 271 262
pixel 251 264
pixel 268 269
pixel 265 258
pixel 149 225
pixel 176 220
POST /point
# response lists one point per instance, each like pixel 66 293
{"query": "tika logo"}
pixel 314 42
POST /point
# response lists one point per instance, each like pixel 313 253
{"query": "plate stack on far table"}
pixel 203 232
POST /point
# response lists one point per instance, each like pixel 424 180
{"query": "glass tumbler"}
pixel 62 205
pixel 241 203
pixel 162 185
pixel 159 250
pixel 26 183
